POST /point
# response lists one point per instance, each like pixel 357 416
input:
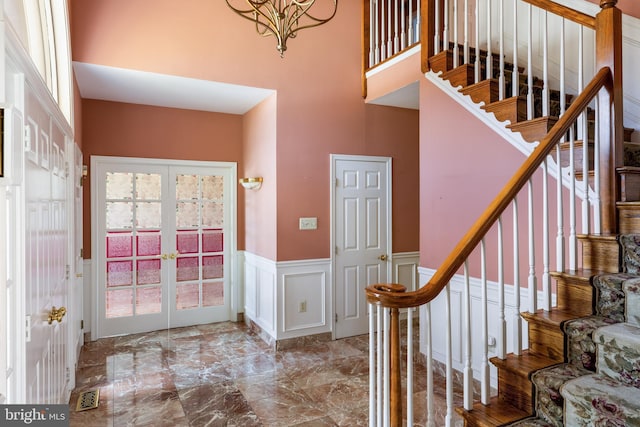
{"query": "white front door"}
pixel 362 236
pixel 46 261
pixel 164 240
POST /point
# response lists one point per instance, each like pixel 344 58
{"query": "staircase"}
pixel 581 365
pixel 561 359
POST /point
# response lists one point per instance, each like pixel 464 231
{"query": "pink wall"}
pixel 319 103
pixel 127 130
pixel 456 184
pixel 259 147
pixel 629 7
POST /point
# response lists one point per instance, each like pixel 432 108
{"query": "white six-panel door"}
pixel 362 236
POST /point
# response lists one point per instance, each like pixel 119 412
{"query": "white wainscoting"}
pixel 275 291
pixel 438 315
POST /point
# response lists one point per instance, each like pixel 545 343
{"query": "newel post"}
pixel 428 31
pixel 609 54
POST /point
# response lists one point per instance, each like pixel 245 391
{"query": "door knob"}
pixel 56 314
pixel 382 257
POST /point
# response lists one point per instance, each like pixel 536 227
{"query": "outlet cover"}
pixel 308 223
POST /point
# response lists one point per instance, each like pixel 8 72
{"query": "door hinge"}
pixel 82 325
pixel 336 317
pixel 67 271
pixel 66 169
pixel 336 250
pixel 27 138
pixel 27 325
pixel 337 182
pixel 81 252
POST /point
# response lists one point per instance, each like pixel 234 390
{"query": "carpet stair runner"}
pixel 599 385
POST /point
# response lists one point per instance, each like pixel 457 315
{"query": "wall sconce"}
pixel 251 183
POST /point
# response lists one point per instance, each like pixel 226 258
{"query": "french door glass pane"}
pixel 119 185
pixel 199 241
pixel 134 269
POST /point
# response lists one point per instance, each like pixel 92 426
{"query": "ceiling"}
pixel 141 87
pixel 162 90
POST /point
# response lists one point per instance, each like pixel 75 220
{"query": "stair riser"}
pixel 515 390
pixel 546 340
pixel 600 255
pixel 575 297
pixel 630 192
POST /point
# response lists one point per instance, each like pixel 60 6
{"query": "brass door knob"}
pixel 382 257
pixel 56 314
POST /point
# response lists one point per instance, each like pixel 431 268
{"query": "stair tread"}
pixel 603 387
pixel 497 412
pixel 524 364
pixel 555 317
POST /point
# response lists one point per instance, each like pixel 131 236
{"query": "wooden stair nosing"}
pixel 497 412
pixel 524 364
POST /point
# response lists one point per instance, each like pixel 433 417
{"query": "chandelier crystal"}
pixel 282 18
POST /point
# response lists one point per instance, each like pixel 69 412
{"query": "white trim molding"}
pixel 292 299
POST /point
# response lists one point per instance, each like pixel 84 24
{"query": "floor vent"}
pixel 88 400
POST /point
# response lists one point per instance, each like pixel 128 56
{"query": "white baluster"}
pixel 466 32
pixel 563 93
pixel 403 32
pixel 389 30
pixel 383 31
pixel 437 47
pixel 546 93
pixel 445 23
pixel 573 239
pixel 448 419
pixel 517 321
pixel 501 81
pixel 484 367
pixel 560 251
pixel 380 402
pixel 468 370
pixel 372 366
pixel 532 281
pixel 489 63
pixel 431 413
pixel 546 278
pixel 501 350
pixel 386 380
pixel 396 38
pixel 559 189
pixel 376 17
pixel 597 200
pixel 477 41
pixel 515 73
pixel 456 49
pixel 410 366
pixel 530 100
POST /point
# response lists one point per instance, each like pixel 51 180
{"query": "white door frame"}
pixel 332 184
pixel 234 303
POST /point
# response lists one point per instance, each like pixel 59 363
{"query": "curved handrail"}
pixel 565 12
pixel 393 296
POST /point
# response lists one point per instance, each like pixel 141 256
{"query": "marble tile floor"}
pixel 223 375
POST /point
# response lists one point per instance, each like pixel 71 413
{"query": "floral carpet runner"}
pixel 600 383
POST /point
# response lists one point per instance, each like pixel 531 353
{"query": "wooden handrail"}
pixel 566 12
pixel 394 297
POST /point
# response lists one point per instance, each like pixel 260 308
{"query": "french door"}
pixel 164 241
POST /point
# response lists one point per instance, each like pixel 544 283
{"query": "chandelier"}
pixel 281 18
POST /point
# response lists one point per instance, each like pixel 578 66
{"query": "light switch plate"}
pixel 308 223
